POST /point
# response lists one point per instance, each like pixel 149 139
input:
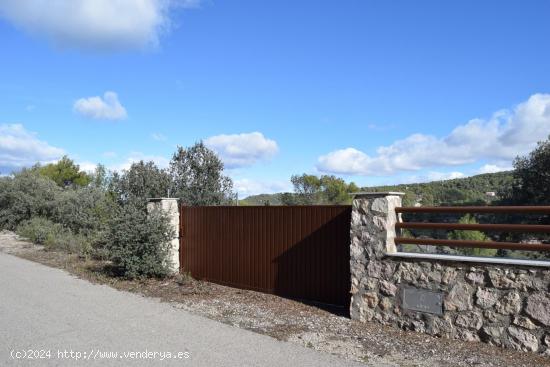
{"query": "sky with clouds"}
pixel 376 92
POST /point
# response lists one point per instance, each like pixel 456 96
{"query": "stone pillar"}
pixel 171 208
pixel 372 235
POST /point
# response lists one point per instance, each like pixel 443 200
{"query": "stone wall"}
pixel 504 305
pixel 171 208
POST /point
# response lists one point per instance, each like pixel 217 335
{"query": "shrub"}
pixel 83 210
pixel 38 229
pixel 139 244
pixel 24 196
pixel 54 236
pixel 70 242
pixel 471 236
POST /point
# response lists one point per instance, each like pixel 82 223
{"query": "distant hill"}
pixel 460 191
pixel 262 199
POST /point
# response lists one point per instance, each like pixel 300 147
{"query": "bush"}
pixel 471 236
pixel 24 196
pixel 54 236
pixel 139 244
pixel 39 230
pixel 83 210
pixel 67 241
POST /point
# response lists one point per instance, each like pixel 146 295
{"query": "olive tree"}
pixel 197 177
pixel 141 181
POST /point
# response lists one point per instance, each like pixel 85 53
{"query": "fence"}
pixel 293 251
pixel 348 256
pixel 503 302
pixel 475 227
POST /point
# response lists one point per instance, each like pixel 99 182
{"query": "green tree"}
pixel 100 178
pixel 141 181
pixel 197 177
pixel 310 190
pixel 64 173
pixel 532 176
pixel 306 188
pixel 471 236
pixel 335 190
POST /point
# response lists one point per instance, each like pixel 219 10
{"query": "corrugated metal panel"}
pixel 293 251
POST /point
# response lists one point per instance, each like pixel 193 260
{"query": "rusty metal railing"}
pixel 528 228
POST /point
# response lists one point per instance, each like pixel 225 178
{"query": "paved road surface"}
pixel 48 309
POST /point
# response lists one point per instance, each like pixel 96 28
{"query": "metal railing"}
pixel 538 228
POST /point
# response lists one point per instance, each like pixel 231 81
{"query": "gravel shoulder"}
pixel 287 320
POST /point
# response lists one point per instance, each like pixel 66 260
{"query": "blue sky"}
pixel 372 91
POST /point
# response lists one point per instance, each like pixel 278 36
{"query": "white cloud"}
pixel 20 148
pixel 246 187
pixel 504 136
pixel 493 168
pixel 133 157
pixel 106 108
pixel 440 176
pixel 105 25
pixel 240 150
pixel 88 167
pixel 433 176
pixel 158 137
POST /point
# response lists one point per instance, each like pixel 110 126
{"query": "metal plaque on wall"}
pixel 423 300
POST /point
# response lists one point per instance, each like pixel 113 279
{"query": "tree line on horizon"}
pixel 527 184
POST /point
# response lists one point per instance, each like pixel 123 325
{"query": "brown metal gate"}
pixel 293 251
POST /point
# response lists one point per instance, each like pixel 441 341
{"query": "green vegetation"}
pixel 54 236
pixel 139 182
pixel 471 236
pixel 104 215
pixel 527 184
pixel 264 199
pixel 532 177
pixel 461 191
pixel 25 196
pixel 64 173
pixel 197 177
pixel 38 229
pixel 309 190
pixel 139 244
